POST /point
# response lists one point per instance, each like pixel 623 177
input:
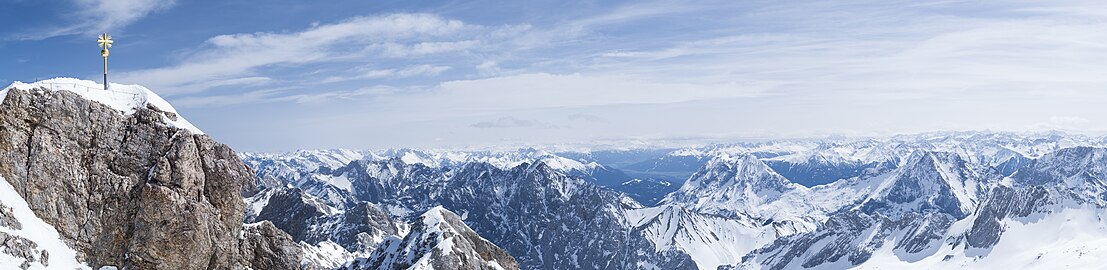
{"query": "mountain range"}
pixel 839 203
pixel 97 180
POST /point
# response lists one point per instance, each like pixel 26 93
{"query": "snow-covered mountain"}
pixel 871 202
pixel 709 240
pixel 28 242
pixel 931 181
pixel 106 179
pixel 438 240
pixel 541 211
pixel 733 187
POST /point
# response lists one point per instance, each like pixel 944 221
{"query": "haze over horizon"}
pixel 290 75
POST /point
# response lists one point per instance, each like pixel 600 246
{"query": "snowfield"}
pixel 904 202
pixel 125 98
pixel 58 254
pixel 1073 238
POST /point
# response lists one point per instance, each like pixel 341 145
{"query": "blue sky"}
pixel 282 75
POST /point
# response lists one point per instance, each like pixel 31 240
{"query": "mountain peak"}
pixel 438 240
pixel 747 170
pixel 730 185
pixel 125 98
pixel 1075 167
pixel 929 180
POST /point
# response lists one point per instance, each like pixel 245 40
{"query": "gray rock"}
pixel 267 247
pixel 22 248
pixel 125 189
pixel 304 218
pixel 7 218
pixel 1002 203
pixel 545 218
pixel 441 240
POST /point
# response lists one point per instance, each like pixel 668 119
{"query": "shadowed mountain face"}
pixel 438 240
pixel 927 200
pixel 129 190
pixel 546 218
pixel 931 181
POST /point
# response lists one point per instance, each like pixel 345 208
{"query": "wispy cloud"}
pixel 95 16
pixel 406 72
pixel 239 55
pixel 666 69
pixel 543 90
pixel 505 122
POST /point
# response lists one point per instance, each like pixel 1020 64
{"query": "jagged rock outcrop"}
pixel 269 247
pixel 732 187
pixel 7 218
pixel 1003 203
pixel 358 228
pixel 545 217
pixel 126 189
pixel 24 249
pixel 851 236
pixel 931 182
pixel 438 240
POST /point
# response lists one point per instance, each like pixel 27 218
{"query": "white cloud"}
pixel 543 90
pixel 283 95
pixel 111 14
pixel 489 68
pixel 95 16
pixel 362 93
pixel 426 48
pixel 1068 120
pixel 239 55
pixel 407 72
pixel 505 122
pixel 746 69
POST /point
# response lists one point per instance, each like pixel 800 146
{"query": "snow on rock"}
pixel 711 241
pixel 326 254
pixel 734 187
pixel 438 240
pixel 1068 238
pixel 931 181
pixel 125 98
pixel 37 243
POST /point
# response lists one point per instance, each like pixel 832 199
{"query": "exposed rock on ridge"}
pixel 129 190
pixel 438 240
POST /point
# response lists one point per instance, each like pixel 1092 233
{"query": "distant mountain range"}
pixel 95 180
pixel 927 200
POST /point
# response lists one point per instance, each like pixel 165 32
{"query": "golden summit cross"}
pixel 105 44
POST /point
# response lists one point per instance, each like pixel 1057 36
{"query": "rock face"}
pixel 24 249
pixel 128 190
pixel 358 228
pixel 438 240
pixel 732 187
pixel 1003 203
pixel 931 182
pixel 269 247
pixel 545 217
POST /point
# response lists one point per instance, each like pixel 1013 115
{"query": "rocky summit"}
pixel 129 189
pixel 117 179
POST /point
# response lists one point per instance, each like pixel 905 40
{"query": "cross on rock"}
pixel 105 44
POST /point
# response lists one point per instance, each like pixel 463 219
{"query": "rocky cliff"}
pixel 438 240
pixel 130 188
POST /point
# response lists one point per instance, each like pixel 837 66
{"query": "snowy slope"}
pixel 711 241
pixel 122 97
pixel 733 186
pixel 931 181
pixel 438 240
pixel 1068 239
pixel 38 243
pixel 902 202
